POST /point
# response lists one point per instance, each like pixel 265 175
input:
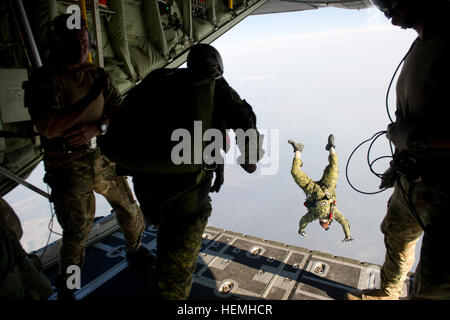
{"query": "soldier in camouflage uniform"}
pixel 70 103
pixel 320 195
pixel 419 172
pixel 179 204
pixel 21 277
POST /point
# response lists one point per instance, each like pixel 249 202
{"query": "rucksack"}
pixel 140 133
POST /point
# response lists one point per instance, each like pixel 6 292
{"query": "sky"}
pixel 306 75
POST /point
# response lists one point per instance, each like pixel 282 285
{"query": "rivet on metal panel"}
pixel 320 268
pixel 226 287
pixel 255 251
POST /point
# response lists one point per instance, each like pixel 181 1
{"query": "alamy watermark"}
pixel 205 147
pixel 74 21
pixel 74 277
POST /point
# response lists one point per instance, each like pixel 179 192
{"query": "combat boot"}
pixel 64 293
pixel 297 146
pixel 371 294
pixel 142 256
pixel 330 142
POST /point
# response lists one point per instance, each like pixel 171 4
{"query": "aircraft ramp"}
pixel 230 266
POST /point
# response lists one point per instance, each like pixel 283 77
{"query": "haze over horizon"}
pixel 306 75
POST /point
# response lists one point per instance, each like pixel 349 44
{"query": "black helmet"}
pixel 205 58
pixel 419 6
pixel 386 6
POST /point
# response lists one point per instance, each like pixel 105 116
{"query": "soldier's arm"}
pixel 339 217
pixel 45 106
pixel 239 114
pixel 79 135
pixel 305 220
pixel 113 98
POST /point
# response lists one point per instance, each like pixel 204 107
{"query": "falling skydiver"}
pixel 320 195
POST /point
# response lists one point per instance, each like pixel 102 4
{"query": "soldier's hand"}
pixel 388 178
pixel 302 233
pixel 405 135
pixel 250 168
pixel 80 135
pixel 219 178
pixel 347 239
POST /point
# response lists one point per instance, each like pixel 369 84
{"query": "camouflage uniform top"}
pixel 422 96
pixel 56 88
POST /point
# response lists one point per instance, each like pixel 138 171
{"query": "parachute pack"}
pixel 140 136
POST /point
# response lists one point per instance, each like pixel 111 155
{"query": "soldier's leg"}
pixel 431 280
pixel 297 173
pixel 74 203
pixel 118 193
pixel 302 179
pixel 331 172
pixel 401 233
pixel 179 239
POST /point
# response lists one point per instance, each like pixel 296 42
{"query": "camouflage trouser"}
pixel 181 221
pixel 401 233
pixel 20 275
pixel 309 186
pixel 73 183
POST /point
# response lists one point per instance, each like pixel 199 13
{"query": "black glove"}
pixel 388 178
pixel 219 178
pixel 405 135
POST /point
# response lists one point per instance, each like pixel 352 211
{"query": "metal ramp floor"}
pixel 230 266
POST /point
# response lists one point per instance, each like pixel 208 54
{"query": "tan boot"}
pixel 371 294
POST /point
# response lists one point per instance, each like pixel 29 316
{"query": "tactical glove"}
pixel 388 178
pixel 219 178
pixel 405 135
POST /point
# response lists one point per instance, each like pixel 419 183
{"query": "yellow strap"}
pixel 82 4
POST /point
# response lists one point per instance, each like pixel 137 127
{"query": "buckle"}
pixel 92 144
